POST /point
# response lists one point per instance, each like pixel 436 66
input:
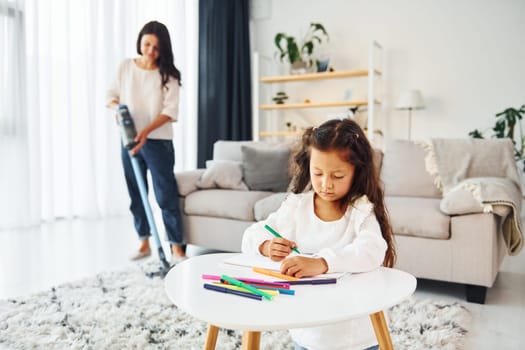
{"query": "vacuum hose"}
pixel 128 132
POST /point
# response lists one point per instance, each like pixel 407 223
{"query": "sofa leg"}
pixel 476 294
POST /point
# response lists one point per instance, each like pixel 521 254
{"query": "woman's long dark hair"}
pixel 347 137
pixel 167 68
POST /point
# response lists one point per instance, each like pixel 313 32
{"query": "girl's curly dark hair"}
pixel 347 137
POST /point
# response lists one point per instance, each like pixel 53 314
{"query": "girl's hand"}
pixel 301 266
pixel 277 249
pixel 141 139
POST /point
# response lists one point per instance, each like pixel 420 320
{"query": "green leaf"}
pixel 319 26
pixel 277 40
pixel 293 50
pixel 315 37
pixel 309 46
pixel 475 134
pixel 499 129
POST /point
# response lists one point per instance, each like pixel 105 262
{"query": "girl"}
pixel 337 213
pixel 149 85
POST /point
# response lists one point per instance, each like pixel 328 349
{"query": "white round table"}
pixel 353 295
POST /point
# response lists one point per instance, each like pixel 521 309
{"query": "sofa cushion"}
pixel 266 169
pixel 416 216
pixel 403 171
pixel 187 179
pixel 268 205
pixel 229 150
pixel 229 204
pixel 225 174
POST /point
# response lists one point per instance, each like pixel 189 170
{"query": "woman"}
pixel 149 86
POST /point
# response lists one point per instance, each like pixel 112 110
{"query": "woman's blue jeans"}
pixel 158 157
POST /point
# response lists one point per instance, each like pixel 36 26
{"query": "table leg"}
pixel 381 330
pixel 211 337
pixel 251 340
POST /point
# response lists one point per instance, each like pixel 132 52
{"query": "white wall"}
pixel 466 56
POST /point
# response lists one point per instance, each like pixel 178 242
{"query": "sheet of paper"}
pixel 252 260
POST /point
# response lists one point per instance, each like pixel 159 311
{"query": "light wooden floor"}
pixel 33 260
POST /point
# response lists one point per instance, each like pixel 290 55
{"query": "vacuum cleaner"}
pixel 128 133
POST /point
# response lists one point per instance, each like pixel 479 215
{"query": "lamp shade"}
pixel 411 99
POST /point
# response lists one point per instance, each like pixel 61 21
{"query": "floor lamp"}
pixel 410 100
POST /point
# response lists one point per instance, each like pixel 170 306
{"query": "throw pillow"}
pixel 266 169
pixel 225 174
pixel 403 171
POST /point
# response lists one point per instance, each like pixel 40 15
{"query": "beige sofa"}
pixel 466 248
pixel 216 217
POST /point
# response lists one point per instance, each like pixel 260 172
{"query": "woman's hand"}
pixel 277 249
pixel 142 135
pixel 141 139
pixel 301 266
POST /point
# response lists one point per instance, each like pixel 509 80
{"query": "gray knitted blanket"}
pixel 479 176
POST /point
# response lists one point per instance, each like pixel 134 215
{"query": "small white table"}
pixel 353 295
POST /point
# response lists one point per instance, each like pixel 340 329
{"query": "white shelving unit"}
pixel 371 73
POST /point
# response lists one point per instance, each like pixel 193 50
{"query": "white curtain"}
pixel 14 164
pixel 59 144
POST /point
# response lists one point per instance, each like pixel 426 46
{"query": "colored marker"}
pixel 280 290
pixel 231 291
pixel 276 234
pixel 242 279
pixel 274 274
pixel 270 285
pixel 272 292
pixel 246 286
pixel 317 281
pixel 253 281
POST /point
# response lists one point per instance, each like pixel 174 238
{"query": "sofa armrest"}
pixel 482 195
pixel 264 207
pixel 186 181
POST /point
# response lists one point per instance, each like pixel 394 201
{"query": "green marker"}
pixel 276 234
pixel 238 283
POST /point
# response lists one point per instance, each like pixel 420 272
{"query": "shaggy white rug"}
pixel 127 310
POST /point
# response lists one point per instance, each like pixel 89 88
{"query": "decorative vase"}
pixel 322 57
pixel 322 64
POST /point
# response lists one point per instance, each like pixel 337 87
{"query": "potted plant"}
pixel 505 126
pixel 300 54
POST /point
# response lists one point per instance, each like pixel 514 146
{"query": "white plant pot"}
pixel 298 67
